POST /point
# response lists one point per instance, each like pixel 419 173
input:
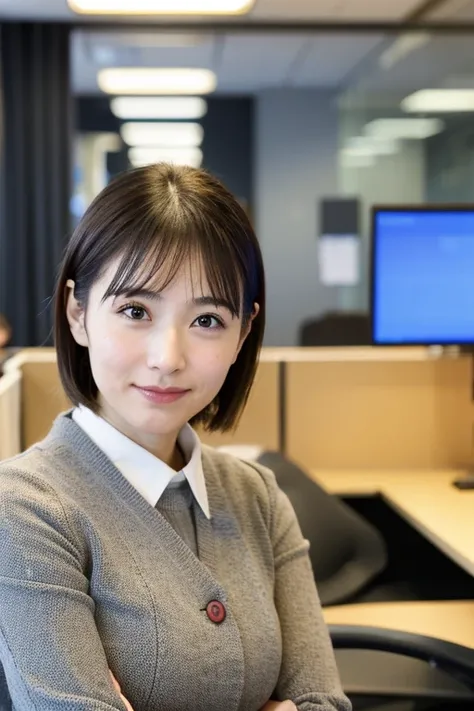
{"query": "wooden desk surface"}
pixel 427 500
pixel 452 621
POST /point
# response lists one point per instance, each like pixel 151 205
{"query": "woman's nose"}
pixel 166 351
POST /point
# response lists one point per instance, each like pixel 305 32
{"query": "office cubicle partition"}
pixel 395 409
pixel 10 414
pixel 329 409
pixel 43 399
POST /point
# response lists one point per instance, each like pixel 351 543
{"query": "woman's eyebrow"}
pixel 211 301
pixel 196 301
pixel 141 294
pixel 137 293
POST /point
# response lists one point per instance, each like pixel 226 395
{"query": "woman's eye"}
pixel 135 313
pixel 209 322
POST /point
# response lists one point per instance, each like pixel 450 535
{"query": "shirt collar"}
pixel 145 472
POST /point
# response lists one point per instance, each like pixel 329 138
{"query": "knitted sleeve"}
pixel 50 649
pixel 308 676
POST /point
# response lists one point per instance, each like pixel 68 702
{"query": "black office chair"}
pixel 351 558
pixel 379 667
pixel 5 700
pixel 338 328
pixel 346 551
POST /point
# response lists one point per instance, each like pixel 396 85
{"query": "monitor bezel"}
pixel 420 207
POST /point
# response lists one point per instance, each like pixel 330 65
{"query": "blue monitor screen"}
pixel 423 276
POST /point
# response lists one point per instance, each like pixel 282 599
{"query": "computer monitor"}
pixel 422 274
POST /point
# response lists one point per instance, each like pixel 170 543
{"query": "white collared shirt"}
pixel 145 472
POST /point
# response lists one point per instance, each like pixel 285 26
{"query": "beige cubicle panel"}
pixel 342 408
pixel 390 411
pixel 260 422
pixel 10 414
pixel 43 398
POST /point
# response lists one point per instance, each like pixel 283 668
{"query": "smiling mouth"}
pixel 153 389
pixel 161 396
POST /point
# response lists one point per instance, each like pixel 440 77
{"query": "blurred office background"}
pixel 323 106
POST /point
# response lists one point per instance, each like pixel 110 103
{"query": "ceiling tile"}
pixel 257 61
pixel 332 57
pixel 342 10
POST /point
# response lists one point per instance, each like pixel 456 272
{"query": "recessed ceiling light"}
pixel 357 161
pixel 439 100
pixel 409 128
pixel 403 46
pixel 373 145
pixel 170 134
pixel 158 107
pixel 140 80
pixel 161 7
pixel 181 156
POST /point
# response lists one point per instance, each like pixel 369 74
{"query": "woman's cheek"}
pixel 218 364
pixel 118 347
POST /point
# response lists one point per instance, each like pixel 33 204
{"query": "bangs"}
pixel 152 256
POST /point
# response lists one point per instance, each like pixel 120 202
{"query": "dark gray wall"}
pixel 227 144
pixel 296 146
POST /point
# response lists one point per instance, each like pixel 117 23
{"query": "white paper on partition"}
pixel 339 260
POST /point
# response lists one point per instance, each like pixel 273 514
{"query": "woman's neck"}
pixel 178 461
pixel 166 449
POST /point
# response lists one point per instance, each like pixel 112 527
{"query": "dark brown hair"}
pixel 155 218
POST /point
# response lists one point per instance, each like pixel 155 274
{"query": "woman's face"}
pixel 157 359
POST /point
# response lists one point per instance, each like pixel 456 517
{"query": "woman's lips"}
pixel 161 396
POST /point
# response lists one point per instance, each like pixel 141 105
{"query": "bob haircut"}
pixel 154 219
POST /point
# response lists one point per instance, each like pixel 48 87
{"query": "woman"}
pixel 139 569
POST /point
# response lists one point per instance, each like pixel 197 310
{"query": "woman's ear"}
pixel 75 315
pixel 246 330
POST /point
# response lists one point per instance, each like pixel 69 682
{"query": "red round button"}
pixel 216 611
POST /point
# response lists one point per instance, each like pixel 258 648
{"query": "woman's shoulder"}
pixel 49 463
pixel 33 508
pixel 29 473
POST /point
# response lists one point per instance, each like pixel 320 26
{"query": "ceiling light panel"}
pixel 144 80
pixel 161 7
pixel 402 47
pixel 439 100
pixel 357 161
pixel 375 145
pixel 158 107
pixel 139 156
pixel 404 128
pixel 183 135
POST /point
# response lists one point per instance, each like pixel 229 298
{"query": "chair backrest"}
pixel 337 329
pixel 5 700
pixel 346 551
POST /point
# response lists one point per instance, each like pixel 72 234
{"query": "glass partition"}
pixel 297 119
